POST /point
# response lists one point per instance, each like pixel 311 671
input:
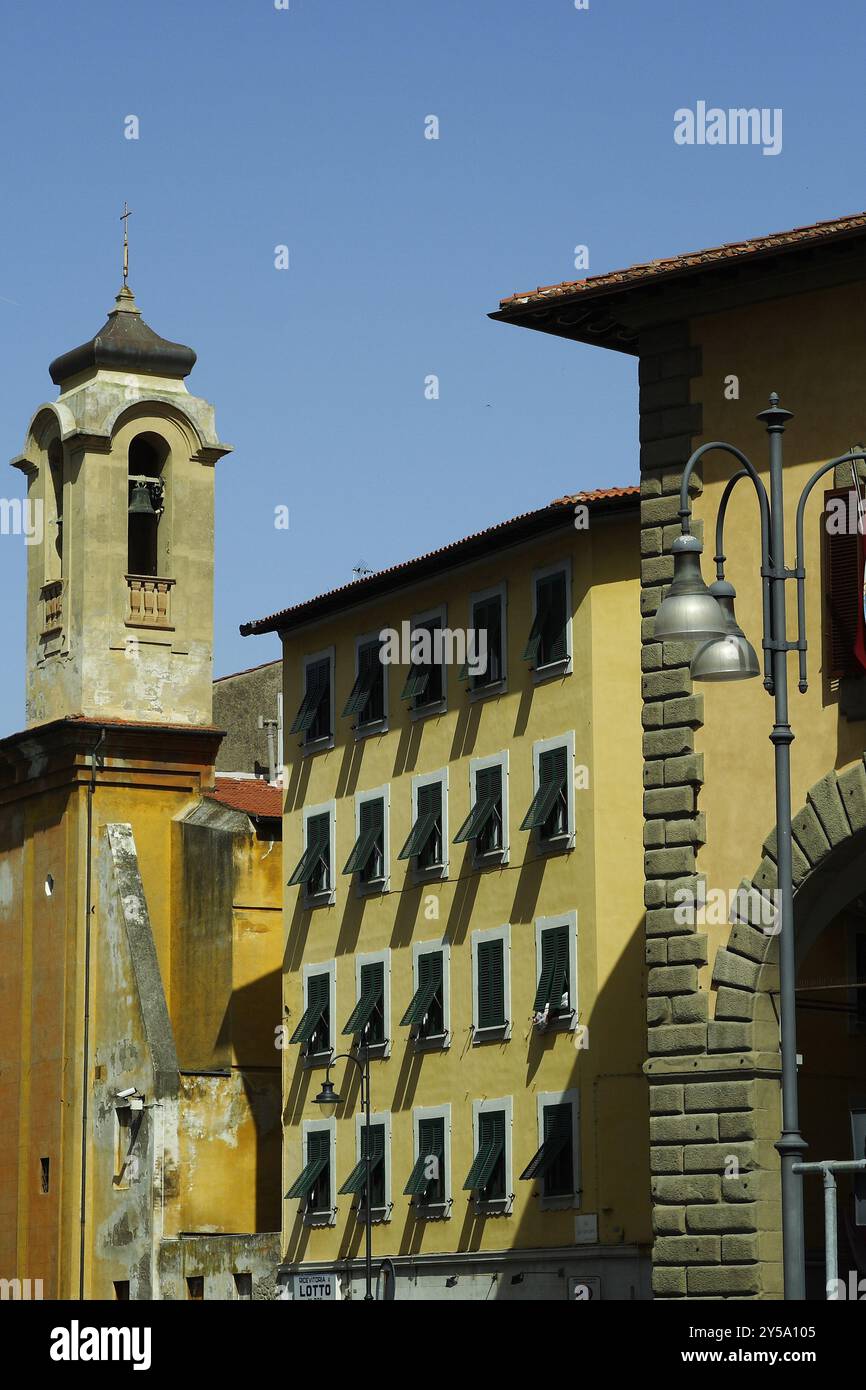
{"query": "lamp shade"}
pixel 728 658
pixel 689 611
pixel 327 1095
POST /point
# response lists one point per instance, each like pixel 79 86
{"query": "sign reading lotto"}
pixel 318 1288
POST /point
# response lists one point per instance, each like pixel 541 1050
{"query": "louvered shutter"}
pixel 491 984
pixel 844 593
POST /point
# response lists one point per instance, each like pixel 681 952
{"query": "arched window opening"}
pixel 54 514
pixel 147 545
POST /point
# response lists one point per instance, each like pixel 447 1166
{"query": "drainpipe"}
pixel 94 756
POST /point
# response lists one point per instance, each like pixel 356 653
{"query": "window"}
pixel 551 812
pixel 313 871
pixel 314 1028
pixel 195 1288
pixel 548 647
pixel 127 1123
pixel 314 1187
pixel 429 1183
pixel 487 611
pixel 555 999
pixel 555 1163
pixel 428 837
pixel 147 534
pixel 121 1290
pixel 487 823
pixel 424 687
pixel 366 1022
pixel 489 1178
pixel 367 699
pixel 315 716
pixel 243 1286
pixel 842 583
pixel 54 514
pixel 45 1175
pixel 428 1011
pixel 491 994
pixel 380 1184
pixel 369 856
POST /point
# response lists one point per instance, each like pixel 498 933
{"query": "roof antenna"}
pixel 361 570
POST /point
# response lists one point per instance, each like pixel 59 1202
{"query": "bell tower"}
pixel 120 475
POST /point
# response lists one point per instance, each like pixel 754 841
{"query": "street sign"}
pixel 318 1288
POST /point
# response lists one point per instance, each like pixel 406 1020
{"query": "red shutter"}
pixel 844 589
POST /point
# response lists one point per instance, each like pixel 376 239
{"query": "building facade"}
pixel 464 864
pixel 139 894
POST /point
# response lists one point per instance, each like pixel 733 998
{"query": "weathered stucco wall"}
pixel 238 700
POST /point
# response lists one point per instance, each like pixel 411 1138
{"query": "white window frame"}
pixel 329 967
pixel 502 1206
pixel 565 666
pixel 379 1215
pixel 328 898
pixel 494 856
pixel 566 1023
pixel 328 1218
pixel 378 1050
pixel 378 726
pixel 319 745
pixel 572 1098
pixel 499 591
pixel 439 706
pixel 498 1034
pixel 439 1211
pixel 378 886
pixel 439 1041
pixel 425 780
pixel 561 843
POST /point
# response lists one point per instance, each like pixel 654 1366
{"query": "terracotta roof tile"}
pixel 647 271
pixel 249 794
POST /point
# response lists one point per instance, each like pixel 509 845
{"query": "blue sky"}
pixel 261 127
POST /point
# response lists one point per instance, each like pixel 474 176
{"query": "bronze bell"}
pixel 141 503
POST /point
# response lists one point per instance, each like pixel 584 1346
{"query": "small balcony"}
pixel 149 601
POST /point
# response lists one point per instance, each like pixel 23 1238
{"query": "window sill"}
pixel 431 875
pixel 379 1052
pixel 376 726
pixel 500 1032
pixel 557 844
pixel 551 670
pixel 565 1203
pixel 491 858
pixel 483 692
pixel 432 1211
pixel 434 1042
pixel 423 711
pixel 494 1206
pixel 320 1218
pixel 324 899
pixel 376 888
pixel 379 1216
pixel 564 1022
pixel 311 1061
pixel 317 745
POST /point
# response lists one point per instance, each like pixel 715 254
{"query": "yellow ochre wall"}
pixel 601 880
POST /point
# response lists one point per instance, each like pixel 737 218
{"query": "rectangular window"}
pixel 366 1022
pixel 367 858
pixel 843 581
pixel 313 718
pixel 313 1186
pixel 487 1176
pixel 313 871
pixel 555 1163
pixel 314 1028
pixel 485 824
pixel 428 837
pixel 549 641
pixel 127 1123
pixel 121 1290
pixel 427 1013
pixel 356 1182
pixel 195 1288
pixel 555 1001
pixel 243 1286
pixel 490 960
pixel 488 617
pixel 551 812
pixel 430 1181
pixel 45 1175
pixel 366 700
pixel 424 684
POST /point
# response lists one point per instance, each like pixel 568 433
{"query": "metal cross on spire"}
pixel 124 217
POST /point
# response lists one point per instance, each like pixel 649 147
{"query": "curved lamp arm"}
pixel 799 570
pixel 720 563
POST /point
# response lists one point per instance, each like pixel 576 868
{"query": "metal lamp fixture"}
pixel 689 612
pixel 728 658
pixel 327 1095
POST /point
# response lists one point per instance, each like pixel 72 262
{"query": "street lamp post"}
pixel 687 613
pixel 328 1097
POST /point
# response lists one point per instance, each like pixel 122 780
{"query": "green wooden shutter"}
pixel 372 994
pixel 491 983
pixel 553 980
pixel 551 598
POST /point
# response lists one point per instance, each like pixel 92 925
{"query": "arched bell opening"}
pixel 148 528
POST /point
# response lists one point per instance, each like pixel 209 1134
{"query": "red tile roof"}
pixel 456 552
pixel 249 794
pixel 648 271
